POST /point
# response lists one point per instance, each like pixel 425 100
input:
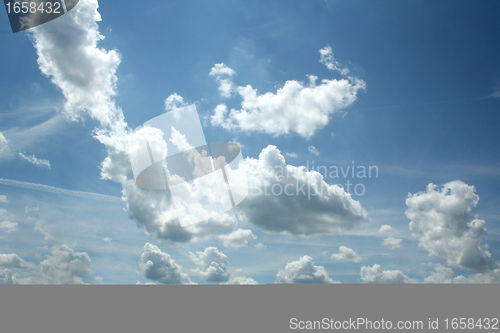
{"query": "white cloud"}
pixel 227 86
pixel 289 199
pixel 89 84
pixel 386 230
pixel 488 277
pixel 496 94
pixel 213 266
pixel 6 277
pixel 65 266
pixel 444 274
pixel 3 199
pixel 68 54
pixel 303 271
pixel 8 226
pixel 347 254
pixel 296 107
pixel 107 239
pixel 241 280
pixel 260 246
pixel 154 210
pixel 174 103
pixel 313 150
pixel 292 155
pixel 12 260
pixel 238 238
pixel 376 274
pixel 441 220
pixel 33 160
pixel 6 150
pixel 221 69
pixel 160 267
pixel 328 59
pixel 392 243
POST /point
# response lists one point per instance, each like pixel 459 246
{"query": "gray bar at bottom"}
pixel 270 308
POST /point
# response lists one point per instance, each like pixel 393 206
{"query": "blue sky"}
pixel 428 113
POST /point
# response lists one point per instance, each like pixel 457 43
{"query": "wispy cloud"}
pixel 36 161
pixel 56 190
pixel 314 150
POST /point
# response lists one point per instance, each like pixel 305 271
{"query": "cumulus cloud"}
pixel 68 54
pixel 303 271
pixel 386 230
pixel 240 280
pixel 3 199
pixel 289 199
pixel 160 267
pixel 154 210
pixel 65 266
pixel 297 107
pixel 35 161
pixel 6 277
pixel 89 85
pixel 238 238
pixel 442 222
pixel 313 150
pixel 376 274
pixel 328 59
pixel 12 260
pixel 8 226
pixel 213 266
pixel 347 254
pixel 227 86
pixel 292 155
pixel 392 243
pixel 174 103
pixel 443 274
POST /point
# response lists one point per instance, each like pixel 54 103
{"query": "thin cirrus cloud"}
pixel 34 160
pixel 313 150
pixel 56 190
